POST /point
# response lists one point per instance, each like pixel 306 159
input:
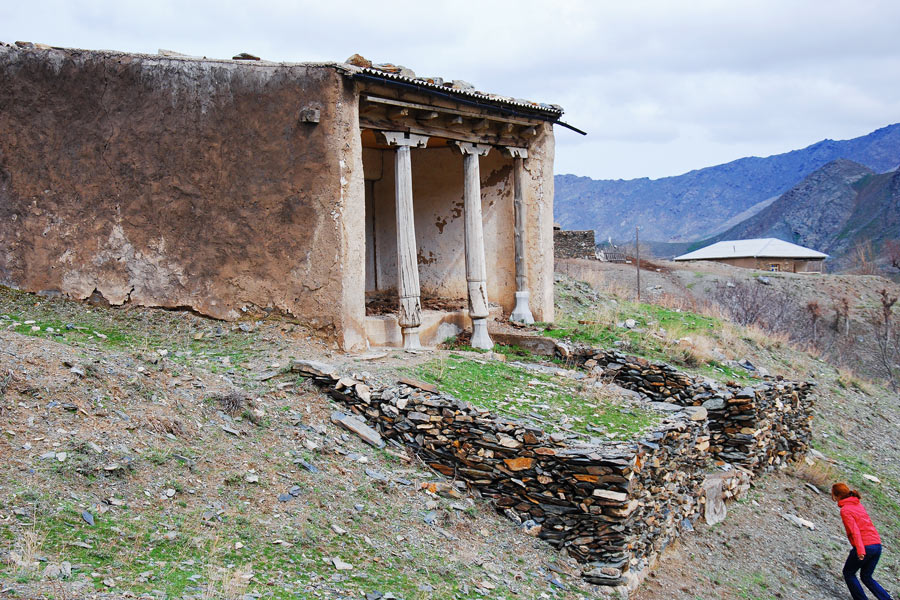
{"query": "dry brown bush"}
pixel 821 474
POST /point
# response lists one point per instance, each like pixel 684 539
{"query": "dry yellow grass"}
pixel 27 549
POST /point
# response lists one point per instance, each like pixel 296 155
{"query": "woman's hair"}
pixel 841 491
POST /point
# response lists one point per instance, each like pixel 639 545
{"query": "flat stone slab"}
pixel 312 368
pixel 368 435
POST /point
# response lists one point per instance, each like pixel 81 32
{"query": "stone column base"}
pixel 522 313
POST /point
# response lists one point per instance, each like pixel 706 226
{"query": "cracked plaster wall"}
pixel 182 183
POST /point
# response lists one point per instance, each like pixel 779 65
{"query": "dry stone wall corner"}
pixel 613 506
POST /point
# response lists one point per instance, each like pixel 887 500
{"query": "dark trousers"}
pixel 865 568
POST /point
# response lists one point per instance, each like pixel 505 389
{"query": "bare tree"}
pixel 887 342
pixel 841 313
pixel 891 252
pixel 864 258
pixel 755 304
pixel 815 313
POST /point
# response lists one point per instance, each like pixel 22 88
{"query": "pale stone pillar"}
pixel 522 312
pixel 407 265
pixel 476 267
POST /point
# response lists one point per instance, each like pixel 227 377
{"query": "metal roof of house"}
pixel 757 248
pixel 452 88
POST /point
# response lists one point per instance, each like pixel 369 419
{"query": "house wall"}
pixel 785 265
pixel 437 175
pixel 183 183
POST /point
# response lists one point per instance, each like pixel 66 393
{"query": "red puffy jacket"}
pixel 860 530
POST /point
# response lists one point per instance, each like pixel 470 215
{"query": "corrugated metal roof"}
pixel 756 248
pixel 550 109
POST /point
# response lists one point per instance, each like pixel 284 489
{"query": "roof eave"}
pixel 544 112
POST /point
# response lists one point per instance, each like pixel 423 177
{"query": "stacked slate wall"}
pixel 574 244
pixel 756 427
pixel 613 506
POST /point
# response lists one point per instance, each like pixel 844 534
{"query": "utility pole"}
pixel 637 256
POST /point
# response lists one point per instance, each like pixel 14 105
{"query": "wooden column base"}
pixel 480 337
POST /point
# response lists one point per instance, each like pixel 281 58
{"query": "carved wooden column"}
pixel 522 312
pixel 407 265
pixel 476 267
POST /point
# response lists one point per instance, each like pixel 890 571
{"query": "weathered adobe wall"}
pixel 758 427
pixel 574 244
pixel 437 175
pixel 181 183
pixel 613 506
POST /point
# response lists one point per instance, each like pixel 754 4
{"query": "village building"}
pixel 242 187
pixel 766 254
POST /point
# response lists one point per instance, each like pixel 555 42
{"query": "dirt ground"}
pixel 756 553
pixel 179 436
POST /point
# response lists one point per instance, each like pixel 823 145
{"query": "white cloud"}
pixel 661 86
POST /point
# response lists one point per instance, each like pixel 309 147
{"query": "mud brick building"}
pixel 233 186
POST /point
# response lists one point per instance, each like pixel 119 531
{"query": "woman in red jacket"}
pixel 865 541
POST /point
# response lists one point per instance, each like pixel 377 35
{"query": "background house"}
pixel 767 254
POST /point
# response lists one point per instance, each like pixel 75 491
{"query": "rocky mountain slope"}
pixel 832 210
pixel 697 204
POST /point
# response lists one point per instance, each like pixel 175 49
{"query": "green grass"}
pixel 554 403
pixel 140 330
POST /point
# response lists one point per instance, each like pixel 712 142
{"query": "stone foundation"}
pixel 613 506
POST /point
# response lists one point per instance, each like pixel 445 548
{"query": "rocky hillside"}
pixel 832 210
pixel 153 454
pixel 667 208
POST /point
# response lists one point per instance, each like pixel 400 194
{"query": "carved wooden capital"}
pixel 472 148
pixel 514 152
pixel 401 138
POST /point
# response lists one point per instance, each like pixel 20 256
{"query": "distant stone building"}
pixel 235 186
pixel 574 244
pixel 766 254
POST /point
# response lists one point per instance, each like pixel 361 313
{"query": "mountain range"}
pixel 819 196
pixel 833 210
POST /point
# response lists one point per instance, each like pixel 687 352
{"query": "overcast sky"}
pixel 661 86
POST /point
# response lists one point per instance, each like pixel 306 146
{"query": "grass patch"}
pixel 556 404
pixel 219 349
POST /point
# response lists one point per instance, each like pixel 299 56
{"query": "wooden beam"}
pixel 436 128
pixel 456 120
pixel 450 111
